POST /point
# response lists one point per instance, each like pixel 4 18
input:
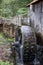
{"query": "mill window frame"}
pixel 33 8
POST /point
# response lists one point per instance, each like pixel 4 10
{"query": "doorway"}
pixel 1 28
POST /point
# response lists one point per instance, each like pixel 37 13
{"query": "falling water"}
pixel 20 60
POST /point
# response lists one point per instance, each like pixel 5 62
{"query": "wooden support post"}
pixel 3 27
pixel 10 31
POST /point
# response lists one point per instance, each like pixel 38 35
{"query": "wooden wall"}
pixel 36 16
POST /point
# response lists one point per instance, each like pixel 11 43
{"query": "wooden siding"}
pixel 37 16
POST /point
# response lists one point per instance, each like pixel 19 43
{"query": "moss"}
pixel 1 35
pixel 5 63
pixel 2 39
pixel 10 39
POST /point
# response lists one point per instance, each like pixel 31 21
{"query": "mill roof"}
pixel 33 2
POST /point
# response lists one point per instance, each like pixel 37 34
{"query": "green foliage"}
pixel 23 3
pixel 2 39
pixel 9 8
pixel 0 1
pixel 5 63
pixel 10 39
pixel 1 35
pixel 22 11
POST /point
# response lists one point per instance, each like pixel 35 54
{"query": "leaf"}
pixel 22 11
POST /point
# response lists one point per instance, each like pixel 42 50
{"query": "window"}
pixel 42 6
pixel 33 8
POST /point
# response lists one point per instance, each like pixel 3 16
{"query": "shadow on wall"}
pixel 39 38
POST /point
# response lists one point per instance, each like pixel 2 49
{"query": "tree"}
pixel 9 8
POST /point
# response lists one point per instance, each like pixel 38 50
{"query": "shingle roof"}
pixel 34 1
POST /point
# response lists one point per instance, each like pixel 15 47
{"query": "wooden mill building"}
pixel 36 17
pixel 36 14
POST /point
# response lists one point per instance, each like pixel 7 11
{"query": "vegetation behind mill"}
pixel 10 8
